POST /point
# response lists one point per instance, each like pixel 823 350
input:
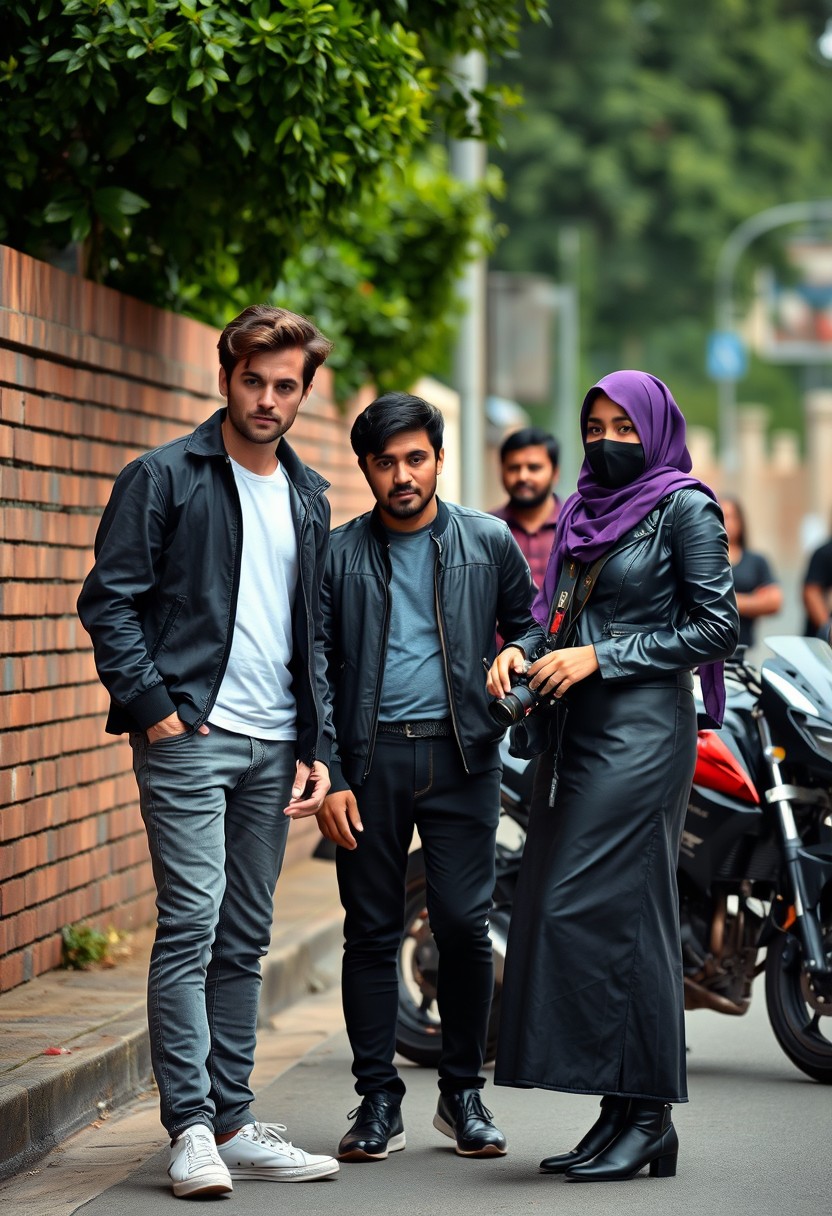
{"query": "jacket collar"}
pixel 206 440
pixel 438 525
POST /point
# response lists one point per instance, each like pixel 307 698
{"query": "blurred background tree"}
pixel 655 128
pixel 194 154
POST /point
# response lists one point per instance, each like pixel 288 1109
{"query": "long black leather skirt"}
pixel 592 998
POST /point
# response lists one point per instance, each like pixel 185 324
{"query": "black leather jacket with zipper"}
pixel 161 600
pixel 481 581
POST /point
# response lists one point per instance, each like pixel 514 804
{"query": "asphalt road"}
pixel 756 1140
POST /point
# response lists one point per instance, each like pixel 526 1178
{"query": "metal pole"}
pixel 568 356
pixel 729 255
pixel 468 162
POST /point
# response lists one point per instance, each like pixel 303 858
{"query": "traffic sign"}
pixel 727 358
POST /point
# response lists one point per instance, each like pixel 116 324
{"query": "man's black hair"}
pixel 528 437
pixel 388 416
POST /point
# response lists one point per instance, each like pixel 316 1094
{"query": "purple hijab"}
pixel 595 517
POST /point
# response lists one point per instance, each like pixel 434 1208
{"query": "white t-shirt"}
pixel 255 697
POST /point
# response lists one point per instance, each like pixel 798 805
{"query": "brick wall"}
pixel 88 380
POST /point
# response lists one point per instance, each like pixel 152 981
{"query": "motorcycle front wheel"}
pixel 800 1019
pixel 419 1029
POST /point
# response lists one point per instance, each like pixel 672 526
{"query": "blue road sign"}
pixel 727 358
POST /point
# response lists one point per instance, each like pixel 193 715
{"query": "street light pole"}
pixel 729 255
pixel 468 163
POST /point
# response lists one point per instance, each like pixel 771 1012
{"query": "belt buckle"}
pixel 408 731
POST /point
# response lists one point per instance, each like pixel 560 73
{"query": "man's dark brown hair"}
pixel 261 328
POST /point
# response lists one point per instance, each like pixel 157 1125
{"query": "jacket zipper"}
pixel 310 638
pixel 442 642
pixel 235 591
pixel 385 635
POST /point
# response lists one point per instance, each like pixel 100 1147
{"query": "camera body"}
pixel 522 700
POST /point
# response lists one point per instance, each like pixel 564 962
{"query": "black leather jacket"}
pixel 664 601
pixel 482 579
pixel 161 600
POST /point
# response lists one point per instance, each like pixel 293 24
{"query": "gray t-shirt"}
pixel 414 685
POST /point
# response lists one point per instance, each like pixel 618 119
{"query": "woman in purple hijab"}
pixel 638 593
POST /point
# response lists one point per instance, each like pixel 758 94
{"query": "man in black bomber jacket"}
pixel 204 610
pixel 411 597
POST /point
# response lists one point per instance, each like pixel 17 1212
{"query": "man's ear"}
pixel 440 460
pixel 223 382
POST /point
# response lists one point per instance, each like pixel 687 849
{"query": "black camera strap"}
pixel 574 588
pixel 573 591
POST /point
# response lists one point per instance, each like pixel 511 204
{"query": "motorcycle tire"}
pixel 418 1028
pixel 801 1025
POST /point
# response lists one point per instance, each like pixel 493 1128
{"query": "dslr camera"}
pixel 522 700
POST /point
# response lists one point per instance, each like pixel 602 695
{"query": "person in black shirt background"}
pixel 757 590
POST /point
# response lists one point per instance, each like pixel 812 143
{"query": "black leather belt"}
pixel 424 728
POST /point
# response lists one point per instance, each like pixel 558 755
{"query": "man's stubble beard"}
pixel 400 512
pixel 530 503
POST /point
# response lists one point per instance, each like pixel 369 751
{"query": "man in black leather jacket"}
pixel 411 596
pixel 204 610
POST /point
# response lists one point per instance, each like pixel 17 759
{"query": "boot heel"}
pixel 664 1167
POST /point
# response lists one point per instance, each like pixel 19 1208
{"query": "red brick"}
pixel 29 636
pixel 47 954
pixel 11 971
pixel 12 896
pixel 12 822
pixel 41 562
pixel 42 599
pixel 50 527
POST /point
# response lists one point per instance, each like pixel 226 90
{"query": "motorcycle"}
pixel 754 871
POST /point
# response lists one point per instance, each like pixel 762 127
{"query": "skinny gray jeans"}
pixel 213 809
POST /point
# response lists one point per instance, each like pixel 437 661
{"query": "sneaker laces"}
pixel 473 1105
pixel 371 1108
pixel 268 1134
pixel 202 1149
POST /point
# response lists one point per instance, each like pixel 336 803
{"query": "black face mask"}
pixel 614 463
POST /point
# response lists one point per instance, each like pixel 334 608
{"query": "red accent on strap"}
pixel 557 621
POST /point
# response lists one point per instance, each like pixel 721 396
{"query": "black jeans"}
pixel 420 783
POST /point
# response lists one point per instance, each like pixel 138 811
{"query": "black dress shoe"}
pixel 647 1138
pixel 377 1131
pixel 463 1117
pixel 606 1127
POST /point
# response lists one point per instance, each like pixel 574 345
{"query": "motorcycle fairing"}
pixel 796 698
pixel 718 768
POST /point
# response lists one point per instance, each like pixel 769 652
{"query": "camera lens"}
pixel 514 706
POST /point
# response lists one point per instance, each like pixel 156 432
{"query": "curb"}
pixel 43 1101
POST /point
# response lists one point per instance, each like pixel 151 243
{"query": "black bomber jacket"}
pixel 481 582
pixel 161 599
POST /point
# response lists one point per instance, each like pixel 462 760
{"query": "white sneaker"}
pixel 259 1151
pixel 195 1166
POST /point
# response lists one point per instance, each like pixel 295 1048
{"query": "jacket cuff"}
pixel 337 783
pixel 323 752
pixel 150 707
pixel 608 665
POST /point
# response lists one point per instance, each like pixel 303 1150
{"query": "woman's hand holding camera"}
pixel 554 673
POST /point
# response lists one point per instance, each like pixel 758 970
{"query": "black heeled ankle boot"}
pixel 647 1138
pixel 606 1127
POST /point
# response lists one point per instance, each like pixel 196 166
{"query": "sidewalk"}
pixel 98 1016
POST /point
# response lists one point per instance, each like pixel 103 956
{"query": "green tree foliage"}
pixel 657 127
pixel 191 147
pixel 382 285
